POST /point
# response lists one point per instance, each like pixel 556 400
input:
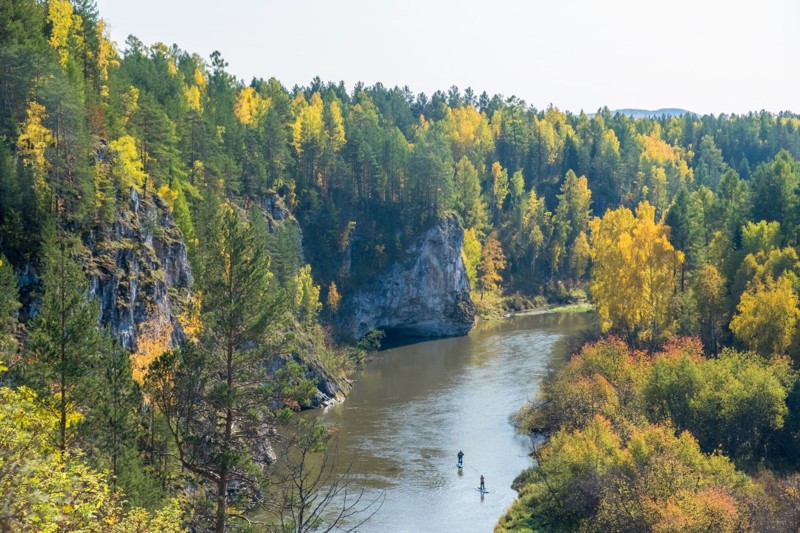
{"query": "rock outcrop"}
pixel 425 294
pixel 140 275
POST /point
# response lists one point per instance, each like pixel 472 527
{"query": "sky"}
pixel 706 56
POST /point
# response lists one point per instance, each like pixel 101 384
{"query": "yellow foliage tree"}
pixel 334 298
pixel 190 318
pixel 306 297
pixel 767 316
pixel 192 95
pixel 130 103
pixel 662 169
pixel 168 194
pixel 334 126
pixel 470 134
pixel 105 56
pixel 31 147
pixel 308 129
pixel 41 490
pixel 499 186
pixel 127 168
pixel 200 80
pixel 493 260
pixel 471 254
pixel 634 273
pixel 66 28
pixel 250 107
pixel 579 259
pixel 153 339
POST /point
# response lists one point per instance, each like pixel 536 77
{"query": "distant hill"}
pixel 645 113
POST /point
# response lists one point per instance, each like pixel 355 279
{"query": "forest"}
pixel 681 414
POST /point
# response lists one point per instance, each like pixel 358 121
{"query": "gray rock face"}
pixel 140 274
pixel 427 294
pixel 276 212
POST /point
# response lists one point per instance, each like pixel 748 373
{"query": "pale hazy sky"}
pixel 708 56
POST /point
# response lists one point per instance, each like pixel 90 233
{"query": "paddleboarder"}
pixel 460 458
pixel 483 486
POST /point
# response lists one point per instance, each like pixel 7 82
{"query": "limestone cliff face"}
pixel 140 275
pixel 426 294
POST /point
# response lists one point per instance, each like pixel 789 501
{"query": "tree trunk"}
pixel 222 484
pixel 62 443
pixel 222 489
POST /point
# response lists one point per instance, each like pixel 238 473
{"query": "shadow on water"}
pixel 395 338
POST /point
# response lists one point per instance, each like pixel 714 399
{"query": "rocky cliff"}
pixel 425 294
pixel 141 277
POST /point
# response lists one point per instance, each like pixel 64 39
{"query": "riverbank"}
pixel 495 306
pixel 668 441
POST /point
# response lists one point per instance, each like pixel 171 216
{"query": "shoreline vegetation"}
pixel 494 306
pixel 672 440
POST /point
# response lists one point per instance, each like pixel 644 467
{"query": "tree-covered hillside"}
pixel 361 169
pixel 153 171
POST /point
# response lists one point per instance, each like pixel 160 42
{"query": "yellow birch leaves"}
pixel 493 260
pixel 471 254
pixel 767 316
pixel 31 146
pixel 127 168
pixel 634 273
pixel 194 93
pixel 306 297
pixel 106 56
pixel 65 35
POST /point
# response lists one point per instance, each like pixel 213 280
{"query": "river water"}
pixel 414 407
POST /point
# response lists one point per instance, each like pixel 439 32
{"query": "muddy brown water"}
pixel 413 407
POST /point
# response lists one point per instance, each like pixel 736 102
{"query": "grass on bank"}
pixel 495 305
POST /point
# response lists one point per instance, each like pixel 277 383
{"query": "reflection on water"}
pixel 414 407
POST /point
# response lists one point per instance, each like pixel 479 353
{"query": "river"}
pixel 412 408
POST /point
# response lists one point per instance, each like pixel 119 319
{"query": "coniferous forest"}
pixel 177 250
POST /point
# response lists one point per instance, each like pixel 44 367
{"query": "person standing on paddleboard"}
pixel 483 487
pixel 460 458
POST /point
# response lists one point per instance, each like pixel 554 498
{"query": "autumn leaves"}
pixel 634 273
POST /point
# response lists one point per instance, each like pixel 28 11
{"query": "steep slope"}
pixel 425 294
pixel 141 276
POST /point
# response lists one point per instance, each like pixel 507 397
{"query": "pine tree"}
pixel 685 220
pixel 468 201
pixel 65 335
pixel 223 437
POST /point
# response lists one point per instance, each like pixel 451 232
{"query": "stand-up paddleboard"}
pixel 482 491
pixel 459 466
